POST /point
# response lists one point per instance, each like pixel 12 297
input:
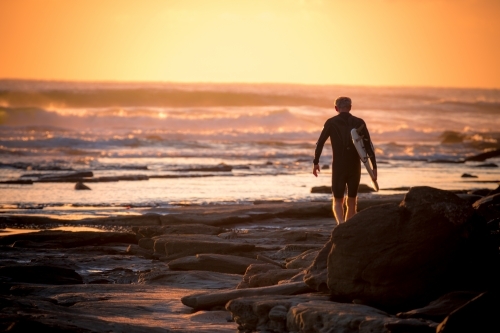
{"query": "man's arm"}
pixel 325 133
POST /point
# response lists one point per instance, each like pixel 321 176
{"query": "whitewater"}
pixel 227 143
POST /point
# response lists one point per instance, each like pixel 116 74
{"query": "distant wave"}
pixel 54 94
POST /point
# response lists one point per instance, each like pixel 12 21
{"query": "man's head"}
pixel 343 104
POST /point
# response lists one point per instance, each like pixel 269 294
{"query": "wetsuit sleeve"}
pixel 325 133
pixel 369 146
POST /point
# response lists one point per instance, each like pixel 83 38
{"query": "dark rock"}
pixel 468 175
pixel 438 310
pixel 186 229
pixel 218 168
pixel 213 263
pixel 488 207
pixel 139 251
pixel 43 274
pixel 18 182
pixel 411 253
pixel 101 281
pixel 402 188
pixel 469 198
pixel 495 191
pixel 486 165
pixel 321 189
pixel 263 275
pixel 177 246
pixel 34 245
pixel 207 300
pixel 484 156
pixel 124 177
pixel 363 188
pixel 85 174
pixel 81 186
pixel 452 137
pixel 478 315
pixel 304 260
pixel 325 167
pixel 482 192
pixel 266 314
pixel 188 279
pixel 315 316
pixel 315 313
pixel 68 239
pixel 316 274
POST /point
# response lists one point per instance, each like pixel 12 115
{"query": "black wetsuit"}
pixel 346 165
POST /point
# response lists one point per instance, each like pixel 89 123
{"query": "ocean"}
pixel 165 144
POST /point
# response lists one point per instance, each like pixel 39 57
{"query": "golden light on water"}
pixel 359 42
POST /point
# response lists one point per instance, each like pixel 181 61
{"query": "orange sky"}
pixel 451 43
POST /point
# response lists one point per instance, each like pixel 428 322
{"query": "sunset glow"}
pixel 359 42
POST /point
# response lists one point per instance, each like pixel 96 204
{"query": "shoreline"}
pixel 224 214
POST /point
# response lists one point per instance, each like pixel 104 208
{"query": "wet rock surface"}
pixel 257 268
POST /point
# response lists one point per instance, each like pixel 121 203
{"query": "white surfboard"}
pixel 363 156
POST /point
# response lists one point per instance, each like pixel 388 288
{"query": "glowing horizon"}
pixel 358 42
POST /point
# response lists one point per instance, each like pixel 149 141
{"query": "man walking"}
pixel 346 165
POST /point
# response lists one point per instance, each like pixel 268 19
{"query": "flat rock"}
pixel 488 207
pixel 106 308
pixel 438 310
pixel 189 279
pixel 321 316
pixel 68 239
pixel 152 231
pixel 263 275
pixel 182 248
pixel 213 263
pixel 43 274
pixel 303 260
pixel 208 300
pixel 478 315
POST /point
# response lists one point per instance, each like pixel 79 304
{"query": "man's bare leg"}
pixel 338 209
pixel 352 208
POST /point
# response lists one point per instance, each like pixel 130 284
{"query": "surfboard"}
pixel 363 155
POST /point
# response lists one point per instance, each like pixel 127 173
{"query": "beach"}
pixel 193 208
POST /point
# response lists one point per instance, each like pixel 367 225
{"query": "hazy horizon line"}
pixel 221 83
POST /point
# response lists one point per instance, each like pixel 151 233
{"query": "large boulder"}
pixel 400 256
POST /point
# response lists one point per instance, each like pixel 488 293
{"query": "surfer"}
pixel 346 164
